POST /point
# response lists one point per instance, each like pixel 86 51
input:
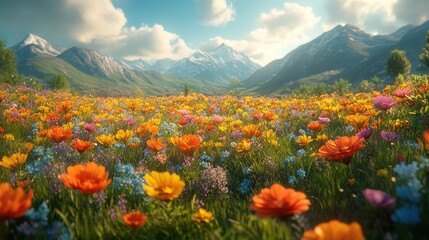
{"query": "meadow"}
pixel 337 166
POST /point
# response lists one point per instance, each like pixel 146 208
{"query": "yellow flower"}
pixel 203 216
pixel 13 161
pixel 270 134
pixel 9 137
pixel 164 186
pixel 322 138
pixel 274 142
pixel 68 125
pixel 358 121
pixel 382 172
pixel 124 136
pixel 106 140
pixel 243 146
pixel 304 140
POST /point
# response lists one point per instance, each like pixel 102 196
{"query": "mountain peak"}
pixel 39 45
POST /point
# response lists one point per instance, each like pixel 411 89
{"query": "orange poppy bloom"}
pixel 315 126
pixel 189 144
pixel 342 149
pixel 81 145
pixel 335 230
pixel 147 129
pixel 155 145
pixel 135 219
pixel 90 178
pixel 278 201
pixel 426 137
pixel 251 130
pixel 14 202
pixel 59 134
pixel 164 186
pixel 210 127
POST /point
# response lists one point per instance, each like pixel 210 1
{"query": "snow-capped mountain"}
pixel 91 62
pixel 219 65
pixel 138 64
pixel 161 65
pixel 33 44
pixel 325 58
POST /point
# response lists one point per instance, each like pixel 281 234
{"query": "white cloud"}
pixel 91 23
pixel 279 31
pixel 78 20
pixel 214 12
pixel 145 42
pixel 384 16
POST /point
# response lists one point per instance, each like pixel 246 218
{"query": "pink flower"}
pixel 222 138
pixel 403 92
pixel 379 198
pixel 365 133
pixel 384 103
pixel 89 127
pixel 323 119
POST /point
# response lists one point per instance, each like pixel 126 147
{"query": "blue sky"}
pixel 154 29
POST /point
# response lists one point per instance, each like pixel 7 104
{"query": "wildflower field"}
pixel 350 166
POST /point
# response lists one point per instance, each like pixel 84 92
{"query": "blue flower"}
pixel 289 159
pixel 405 171
pixel 245 186
pixel 126 177
pixel 292 180
pixel 40 215
pixel 301 152
pixel 407 214
pixel 301 173
pixel 225 154
pixel 408 193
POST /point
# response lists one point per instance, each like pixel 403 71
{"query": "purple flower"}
pixel 365 133
pixel 384 103
pixel 389 136
pixel 379 198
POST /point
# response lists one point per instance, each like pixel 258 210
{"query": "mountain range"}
pixel 343 52
pixel 90 72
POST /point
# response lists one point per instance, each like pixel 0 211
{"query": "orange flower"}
pixel 358 121
pixel 342 149
pixel 426 137
pixel 155 145
pixel 335 230
pixel 278 201
pixel 203 216
pixel 14 202
pixel 315 126
pixel 59 134
pixel 189 144
pixel 88 179
pixel 135 219
pixel 81 145
pixel 164 186
pixel 251 130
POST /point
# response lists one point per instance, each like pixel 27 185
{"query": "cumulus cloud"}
pixel 384 16
pixel 214 12
pixel 78 20
pixel 278 32
pixel 96 23
pixel 144 42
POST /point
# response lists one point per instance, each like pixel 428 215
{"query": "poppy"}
pixel 278 201
pixel 342 149
pixel 14 202
pixel 135 219
pixel 335 230
pixel 90 178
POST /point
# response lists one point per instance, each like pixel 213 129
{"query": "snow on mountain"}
pixel 138 64
pixel 38 45
pixel 219 65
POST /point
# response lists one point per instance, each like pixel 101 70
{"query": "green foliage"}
pixel 60 83
pixel 424 57
pixel 342 86
pixel 398 63
pixel 235 84
pixel 8 72
pixel 366 86
pixel 186 89
pixel 378 83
